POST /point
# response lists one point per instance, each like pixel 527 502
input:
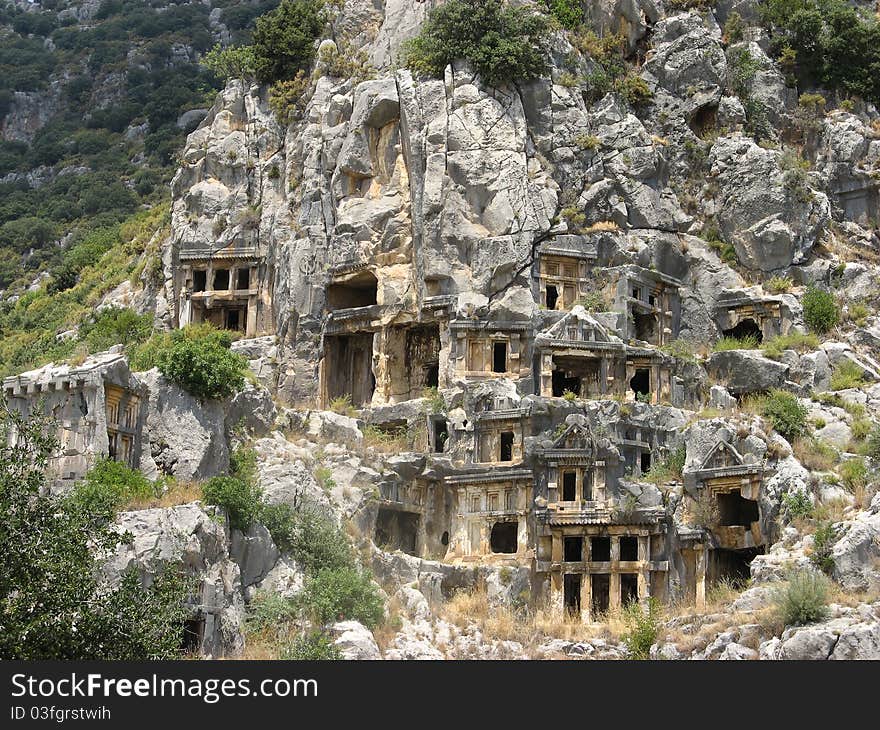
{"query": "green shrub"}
pixel 669 469
pixel 872 447
pixel 569 13
pixel 434 400
pixel 312 647
pixel 734 28
pixel 240 500
pixel 823 543
pixel 778 285
pixel 797 504
pixel 280 521
pixel 318 544
pixel 268 611
pixel 821 311
pixel 116 326
pixel 108 486
pixel 786 414
pixel 828 43
pixel 237 62
pixel 284 39
pixel 53 602
pixel 847 375
pixel 503 43
pixel 199 360
pixel 681 350
pixel 341 594
pixel 643 628
pixel 803 599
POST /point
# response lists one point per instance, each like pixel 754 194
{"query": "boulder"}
pixel 184 436
pixel 186 538
pixel 355 641
pixel 747 371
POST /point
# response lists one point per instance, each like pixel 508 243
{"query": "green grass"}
pixel 725 344
pixel 792 341
pixel 847 375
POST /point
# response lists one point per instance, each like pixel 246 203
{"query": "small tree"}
pixel 821 311
pixel 314 646
pixel 232 62
pixel 643 628
pixel 109 486
pixel 786 414
pixel 284 39
pixel 502 42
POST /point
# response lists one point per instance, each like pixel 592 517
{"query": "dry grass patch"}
pixel 176 494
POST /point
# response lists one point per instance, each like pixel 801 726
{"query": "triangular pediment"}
pixel 576 437
pixel 722 455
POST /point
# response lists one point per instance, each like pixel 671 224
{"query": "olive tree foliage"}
pixel 53 604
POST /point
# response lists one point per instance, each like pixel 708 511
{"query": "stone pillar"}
pixel 586 597
pixel 644 584
pixel 614 590
pixel 557 595
pixel 701 560
pixel 251 325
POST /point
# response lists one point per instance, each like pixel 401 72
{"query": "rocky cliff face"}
pixel 559 268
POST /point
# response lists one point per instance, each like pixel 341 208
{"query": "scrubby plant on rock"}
pixel 240 500
pixel 503 43
pixel 284 39
pixel 821 310
pixel 786 414
pixel 803 599
pixel 198 358
pixel 107 487
pixel 342 594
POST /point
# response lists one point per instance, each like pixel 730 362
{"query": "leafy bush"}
pixel 792 341
pixel 502 42
pixel 643 628
pixel 341 594
pixel 280 521
pixel 284 39
pixel 669 469
pixel 116 326
pixel 240 500
pixel 786 414
pixel 803 599
pixel 827 41
pixel 107 487
pixel 778 285
pixel 198 359
pixel 821 311
pixel 823 542
pixel 797 504
pixel 267 611
pixel 318 544
pixel 51 602
pixel 312 647
pixel 569 13
pixel 231 62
